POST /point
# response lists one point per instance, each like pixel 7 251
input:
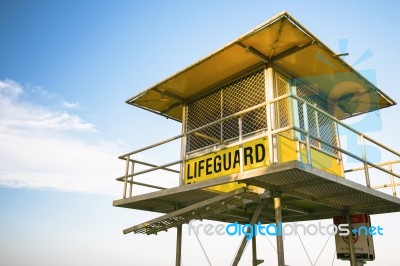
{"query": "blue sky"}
pixel 66 68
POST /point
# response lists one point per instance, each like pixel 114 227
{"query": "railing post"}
pixel 298 150
pixel 364 157
pixel 269 93
pixel 126 175
pixel 240 122
pixel 337 144
pixel 131 179
pixel 392 181
pixel 308 147
pixel 317 125
pixel 296 121
pixel 184 140
pixel 269 130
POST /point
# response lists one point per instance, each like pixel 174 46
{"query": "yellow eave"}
pixel 283 42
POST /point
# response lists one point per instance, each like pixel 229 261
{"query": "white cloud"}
pixel 70 105
pixel 10 88
pixel 43 93
pixel 52 149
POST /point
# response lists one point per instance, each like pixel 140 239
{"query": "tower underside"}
pixel 307 193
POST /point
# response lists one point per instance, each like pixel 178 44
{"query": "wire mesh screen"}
pixel 240 95
pixel 282 107
pixel 319 125
pixel 232 98
pixel 200 113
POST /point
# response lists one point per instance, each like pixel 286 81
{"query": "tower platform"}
pixel 307 193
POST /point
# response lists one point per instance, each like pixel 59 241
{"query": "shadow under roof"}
pixel 282 42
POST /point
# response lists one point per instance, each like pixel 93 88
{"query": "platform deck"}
pixel 307 193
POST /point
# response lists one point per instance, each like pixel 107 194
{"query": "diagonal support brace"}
pixel 242 246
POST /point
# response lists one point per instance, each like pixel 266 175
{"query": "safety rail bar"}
pixel 123 157
pixel 392 184
pixel 269 133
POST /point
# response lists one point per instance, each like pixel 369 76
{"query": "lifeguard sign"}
pixel 227 161
pixel 261 119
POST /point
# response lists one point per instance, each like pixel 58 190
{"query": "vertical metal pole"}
pixel 296 117
pixel 317 126
pixel 295 106
pixel 278 221
pixel 240 122
pixel 269 129
pixel 128 158
pixel 364 157
pixel 131 179
pixel 392 181
pixel 183 146
pixel 269 92
pixel 352 252
pixel 337 138
pixel 184 138
pixel 305 116
pixel 178 245
pixel 222 113
pixel 298 150
pixel 254 250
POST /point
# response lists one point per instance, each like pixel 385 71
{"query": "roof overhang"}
pixel 283 42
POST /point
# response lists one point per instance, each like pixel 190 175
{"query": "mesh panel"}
pixel 318 124
pixel 240 95
pixel 232 98
pixel 202 112
pixel 283 116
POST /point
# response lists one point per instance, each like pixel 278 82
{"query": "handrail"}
pixel 161 167
pixel 386 186
pixel 356 157
pixel 379 164
pixel 344 125
pixel 153 165
pixel 245 111
pixel 266 133
pixel 254 108
pixel 122 157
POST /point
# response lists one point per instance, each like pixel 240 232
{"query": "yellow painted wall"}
pixel 287 151
pixel 324 162
pixel 212 167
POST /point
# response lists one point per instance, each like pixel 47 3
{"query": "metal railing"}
pixel 392 183
pixel 364 158
pixel 271 132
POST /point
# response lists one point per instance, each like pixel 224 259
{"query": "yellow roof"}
pixel 280 41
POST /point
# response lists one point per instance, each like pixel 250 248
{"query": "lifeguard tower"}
pixel 261 120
